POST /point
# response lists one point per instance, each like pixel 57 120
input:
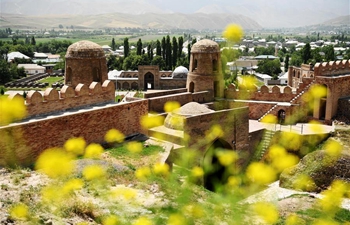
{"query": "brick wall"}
pixel 162 93
pixel 68 98
pixel 25 141
pixel 234 123
pixel 156 104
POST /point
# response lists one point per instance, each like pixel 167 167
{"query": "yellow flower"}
pixel 280 158
pixel 227 157
pixel 94 172
pixel 171 106
pixel 53 194
pixel 294 220
pixel 290 140
pixel 267 211
pixel 134 147
pixel 269 118
pixel 19 212
pixel 176 219
pixel 142 221
pixel 214 132
pixel 143 173
pixel 126 193
pixel 114 135
pixel 304 183
pixel 11 109
pixel 55 163
pixel 316 127
pixel 234 181
pixel 197 171
pixel 261 173
pixel 149 121
pixel 248 82
pixel 161 169
pixel 318 91
pixel 324 222
pixel 110 220
pixel 333 197
pixel 93 151
pixel 233 33
pixel 72 185
pixel 194 210
pixel 75 145
pixel 333 148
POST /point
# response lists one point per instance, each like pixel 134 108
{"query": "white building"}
pixel 31 69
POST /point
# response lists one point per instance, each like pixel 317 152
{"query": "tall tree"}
pixel 189 52
pixel 27 41
pixel 139 47
pixel 175 51
pixel 180 45
pixel 33 42
pixel 329 52
pixel 158 48
pixel 306 53
pixel 150 52
pixel 163 48
pixel 286 63
pixel 168 53
pixel 113 45
pixel 126 47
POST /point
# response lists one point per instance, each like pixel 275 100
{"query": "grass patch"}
pixel 51 80
pixel 309 215
pixel 148 149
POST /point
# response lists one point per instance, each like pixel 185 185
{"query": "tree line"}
pixel 166 53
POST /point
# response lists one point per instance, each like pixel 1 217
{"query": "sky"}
pixel 268 13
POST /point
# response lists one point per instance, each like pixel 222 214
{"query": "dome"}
pixel 175 120
pixel 205 46
pixel 85 49
pixel 180 72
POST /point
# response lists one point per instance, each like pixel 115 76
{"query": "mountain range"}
pixel 198 14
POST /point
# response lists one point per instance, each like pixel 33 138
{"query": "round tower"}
pixel 85 63
pixel 205 69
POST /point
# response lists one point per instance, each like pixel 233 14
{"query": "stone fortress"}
pixel 85 106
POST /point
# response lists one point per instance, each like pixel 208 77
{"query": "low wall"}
pixel 68 98
pixel 344 107
pixel 156 104
pixel 162 93
pixel 25 141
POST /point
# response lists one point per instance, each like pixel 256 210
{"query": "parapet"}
pixel 68 98
pixel 332 68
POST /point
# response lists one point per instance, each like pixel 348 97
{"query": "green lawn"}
pixel 51 80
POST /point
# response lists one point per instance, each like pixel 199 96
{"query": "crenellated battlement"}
pixel 275 93
pixel 332 68
pixel 68 98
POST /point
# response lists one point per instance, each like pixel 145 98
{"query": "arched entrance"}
pixel 320 103
pixel 215 174
pixel 149 81
pixel 281 116
pixel 191 87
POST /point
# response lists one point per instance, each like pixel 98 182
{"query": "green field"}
pixel 51 80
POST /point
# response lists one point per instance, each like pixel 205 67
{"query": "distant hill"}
pixel 339 21
pixel 198 21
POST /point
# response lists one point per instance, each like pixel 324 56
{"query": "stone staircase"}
pixel 268 112
pixel 305 89
pixel 265 143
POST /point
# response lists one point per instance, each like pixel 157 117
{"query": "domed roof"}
pixel 205 46
pixel 85 49
pixel 175 120
pixel 180 72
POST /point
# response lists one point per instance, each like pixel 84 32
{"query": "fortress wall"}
pixel 162 93
pixel 172 83
pixel 68 98
pixel 156 104
pixel 202 97
pixel 25 141
pixel 340 67
pixel 265 94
